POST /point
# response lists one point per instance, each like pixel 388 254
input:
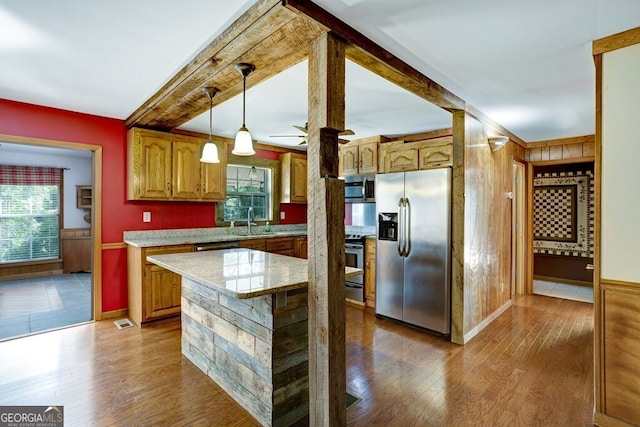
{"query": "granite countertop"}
pixel 241 273
pixel 183 236
pixel 148 238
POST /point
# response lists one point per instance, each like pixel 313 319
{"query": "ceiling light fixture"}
pixel 210 149
pixel 497 142
pixel 244 145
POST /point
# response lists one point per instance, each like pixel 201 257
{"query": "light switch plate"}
pixel 282 215
pixel 146 216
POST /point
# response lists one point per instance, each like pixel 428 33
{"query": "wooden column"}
pixel 325 226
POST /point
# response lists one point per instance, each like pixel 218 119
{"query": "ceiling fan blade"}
pixel 287 136
pixel 342 141
pixel 301 129
pixel 304 142
pixel 347 132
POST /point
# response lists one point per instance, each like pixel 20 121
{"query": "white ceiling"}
pixel 527 65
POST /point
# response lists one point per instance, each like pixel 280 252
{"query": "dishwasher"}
pixel 214 246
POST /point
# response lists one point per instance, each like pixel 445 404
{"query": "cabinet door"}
pixel 163 292
pixel 301 247
pixel 186 170
pixel 437 156
pixel 298 180
pixel 370 272
pixel 155 166
pixel 401 160
pixel 349 160
pixel 368 154
pixel 214 178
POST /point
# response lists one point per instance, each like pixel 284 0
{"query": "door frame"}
pixel 519 217
pixel 96 221
pixel 530 166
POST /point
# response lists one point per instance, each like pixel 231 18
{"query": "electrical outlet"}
pixel 282 215
pixel 146 216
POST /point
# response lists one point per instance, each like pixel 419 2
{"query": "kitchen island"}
pixel 244 323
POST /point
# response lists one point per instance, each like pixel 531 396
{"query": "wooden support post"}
pixel 325 225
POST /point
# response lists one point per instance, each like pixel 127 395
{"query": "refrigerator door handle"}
pixel 407 227
pixel 400 231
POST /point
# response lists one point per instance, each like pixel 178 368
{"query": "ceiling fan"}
pixel 305 130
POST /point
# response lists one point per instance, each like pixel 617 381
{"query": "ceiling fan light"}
pixel 243 145
pixel 210 153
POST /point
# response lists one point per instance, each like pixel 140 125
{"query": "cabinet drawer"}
pixel 255 244
pixel 161 250
pixel 287 252
pixel 277 245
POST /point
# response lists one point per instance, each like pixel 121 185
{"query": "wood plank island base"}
pixel 244 324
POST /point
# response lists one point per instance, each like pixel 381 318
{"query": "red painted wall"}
pixel 118 214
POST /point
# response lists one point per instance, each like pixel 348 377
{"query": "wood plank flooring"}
pixel 532 366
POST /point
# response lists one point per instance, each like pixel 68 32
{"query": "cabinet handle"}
pixel 198 187
pixel 168 186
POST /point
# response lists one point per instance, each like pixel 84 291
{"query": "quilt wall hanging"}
pixel 563 213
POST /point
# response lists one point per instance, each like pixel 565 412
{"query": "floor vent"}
pixel 123 323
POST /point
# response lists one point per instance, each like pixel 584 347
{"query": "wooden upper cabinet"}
pixel 149 154
pixel 368 153
pixel 165 166
pixel 186 169
pixel 349 160
pixel 359 156
pixel 214 178
pixel 401 156
pixel 294 178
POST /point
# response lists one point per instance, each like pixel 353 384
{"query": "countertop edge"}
pixel 190 240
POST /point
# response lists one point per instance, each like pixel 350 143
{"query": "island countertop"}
pixel 241 273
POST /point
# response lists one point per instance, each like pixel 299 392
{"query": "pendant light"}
pixel 210 150
pixel 244 145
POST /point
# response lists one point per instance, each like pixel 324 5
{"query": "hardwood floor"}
pixel 532 366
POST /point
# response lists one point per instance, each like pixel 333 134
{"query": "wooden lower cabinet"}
pixel 370 272
pixel 289 246
pixel 301 247
pixel 255 244
pixel 154 292
pixel 281 245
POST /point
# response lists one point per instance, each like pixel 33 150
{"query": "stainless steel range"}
pixel 354 257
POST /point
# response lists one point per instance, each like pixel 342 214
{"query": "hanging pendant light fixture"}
pixel 210 150
pixel 244 145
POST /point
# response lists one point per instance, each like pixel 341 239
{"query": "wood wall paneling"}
pixel 621 339
pixel 483 287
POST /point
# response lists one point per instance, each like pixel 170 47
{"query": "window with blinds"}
pixel 245 191
pixel 29 213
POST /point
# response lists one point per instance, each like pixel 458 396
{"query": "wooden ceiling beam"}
pixel 268 35
pixel 364 52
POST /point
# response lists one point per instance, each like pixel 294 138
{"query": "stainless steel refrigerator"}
pixel 413 247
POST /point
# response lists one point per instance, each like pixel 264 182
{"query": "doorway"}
pixel 563 210
pixel 36 298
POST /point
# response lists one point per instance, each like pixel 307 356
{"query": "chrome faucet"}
pixel 249 223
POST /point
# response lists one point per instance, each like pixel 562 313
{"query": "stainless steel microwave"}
pixel 360 188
